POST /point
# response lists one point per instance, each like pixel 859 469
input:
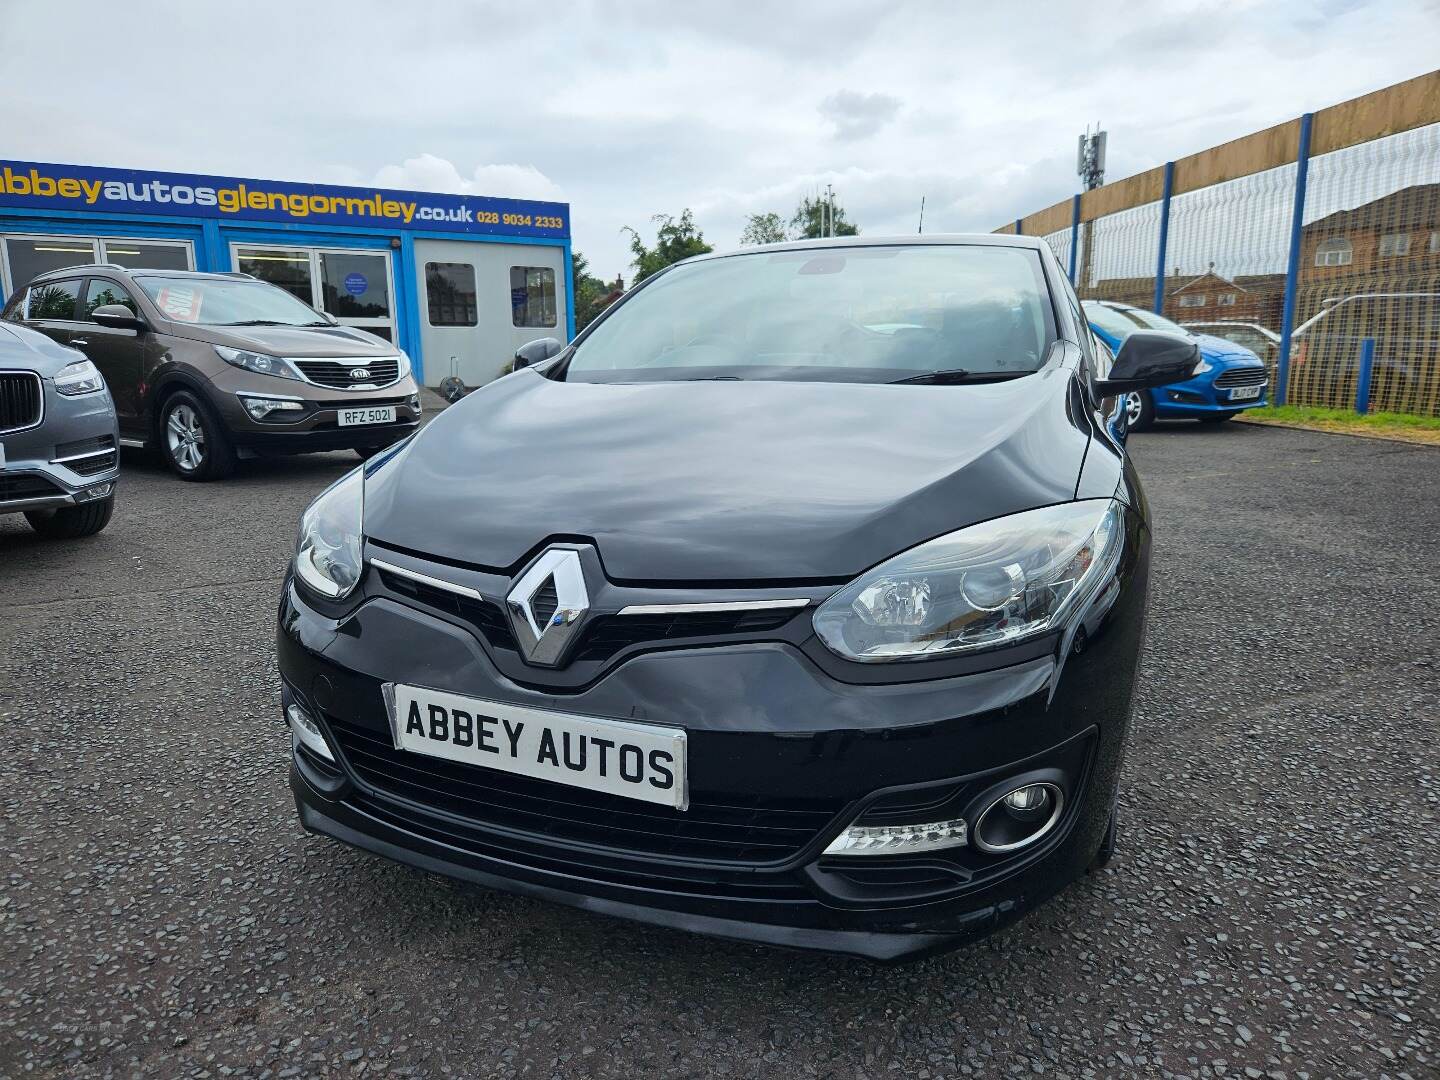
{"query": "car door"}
pixel 50 308
pixel 119 354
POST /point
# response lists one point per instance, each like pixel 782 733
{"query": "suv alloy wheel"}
pixel 194 445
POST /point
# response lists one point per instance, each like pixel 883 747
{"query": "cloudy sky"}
pixel 628 109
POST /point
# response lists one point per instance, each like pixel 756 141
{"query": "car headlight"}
pixel 81 377
pixel 260 363
pixel 1202 367
pixel 328 557
pixel 989 584
pixel 405 365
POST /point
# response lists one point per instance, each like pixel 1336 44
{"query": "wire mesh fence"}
pixel 1341 248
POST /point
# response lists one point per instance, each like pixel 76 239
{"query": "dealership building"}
pixel 457 281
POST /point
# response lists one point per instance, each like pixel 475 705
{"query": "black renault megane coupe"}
pixel 798 600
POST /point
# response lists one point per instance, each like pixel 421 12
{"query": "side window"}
pixel 52 300
pixel 450 294
pixel 100 292
pixel 532 296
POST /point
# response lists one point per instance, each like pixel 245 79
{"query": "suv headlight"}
pixel 260 363
pixel 990 584
pixel 328 557
pixel 81 377
pixel 405 365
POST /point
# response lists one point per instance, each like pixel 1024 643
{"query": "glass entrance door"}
pixel 352 286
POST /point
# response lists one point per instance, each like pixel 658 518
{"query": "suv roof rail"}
pixel 82 266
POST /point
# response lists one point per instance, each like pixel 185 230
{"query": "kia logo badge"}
pixel 359 373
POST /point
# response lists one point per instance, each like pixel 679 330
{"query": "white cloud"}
pixel 431 173
pixel 857 115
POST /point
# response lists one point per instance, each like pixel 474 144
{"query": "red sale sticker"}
pixel 180 304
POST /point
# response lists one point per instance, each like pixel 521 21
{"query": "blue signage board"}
pixel 356 284
pixel 37 185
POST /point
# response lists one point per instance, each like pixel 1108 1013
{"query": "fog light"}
pixel 99 491
pixel 307 732
pixel 1018 818
pixel 261 407
pixel 899 839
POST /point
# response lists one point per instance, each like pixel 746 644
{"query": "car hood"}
pixel 29 350
pixel 732 482
pixel 1218 348
pixel 318 341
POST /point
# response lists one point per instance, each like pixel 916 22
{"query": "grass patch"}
pixel 1402 426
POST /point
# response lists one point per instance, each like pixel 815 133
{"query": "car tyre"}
pixel 1140 409
pixel 192 441
pixel 1106 851
pixel 72 522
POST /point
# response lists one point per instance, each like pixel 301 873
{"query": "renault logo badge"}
pixel 547 604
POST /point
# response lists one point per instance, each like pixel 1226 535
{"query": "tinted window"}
pixel 53 300
pixel 450 292
pixel 857 314
pixel 532 296
pixel 100 292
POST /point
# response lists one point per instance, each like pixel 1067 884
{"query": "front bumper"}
pixel 316 427
pixel 1201 397
pixel 70 458
pixel 783 756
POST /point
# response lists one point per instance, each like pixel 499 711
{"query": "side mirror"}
pixel 537 351
pixel 117 317
pixel 1149 358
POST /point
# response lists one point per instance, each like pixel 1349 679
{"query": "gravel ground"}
pixel 1272 912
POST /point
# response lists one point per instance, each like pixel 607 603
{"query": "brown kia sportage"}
pixel 209 368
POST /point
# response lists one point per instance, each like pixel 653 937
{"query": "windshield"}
pixel 1120 321
pixel 219 301
pixel 854 314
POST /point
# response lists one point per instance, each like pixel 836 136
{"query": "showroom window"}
pixel 450 294
pixel 532 296
pixel 349 284
pixel 27 256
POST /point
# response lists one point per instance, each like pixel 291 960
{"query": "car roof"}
pixel 925 240
pixel 113 268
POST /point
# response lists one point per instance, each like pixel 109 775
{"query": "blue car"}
pixel 1229 380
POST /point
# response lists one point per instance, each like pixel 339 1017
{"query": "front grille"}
pixel 20 400
pixel 88 456
pixel 609 634
pixel 606 635
pixel 730 829
pixel 25 486
pixel 378 372
pixel 1242 376
pixel 481 614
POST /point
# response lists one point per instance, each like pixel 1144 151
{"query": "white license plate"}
pixel 377 414
pixel 1245 393
pixel 635 761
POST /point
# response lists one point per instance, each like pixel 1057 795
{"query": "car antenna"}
pixel 920 231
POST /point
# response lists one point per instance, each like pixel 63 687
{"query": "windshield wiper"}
pixel 954 376
pixel 262 322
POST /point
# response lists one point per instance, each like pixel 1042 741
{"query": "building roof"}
pixel 1416 206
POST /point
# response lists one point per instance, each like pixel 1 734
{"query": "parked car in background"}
pixel 1229 379
pixel 59 454
pixel 1405 327
pixel 756 611
pixel 1261 340
pixel 208 368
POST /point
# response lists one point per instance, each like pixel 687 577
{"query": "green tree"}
pixel 675 239
pixel 590 292
pixel 811 217
pixel 767 228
